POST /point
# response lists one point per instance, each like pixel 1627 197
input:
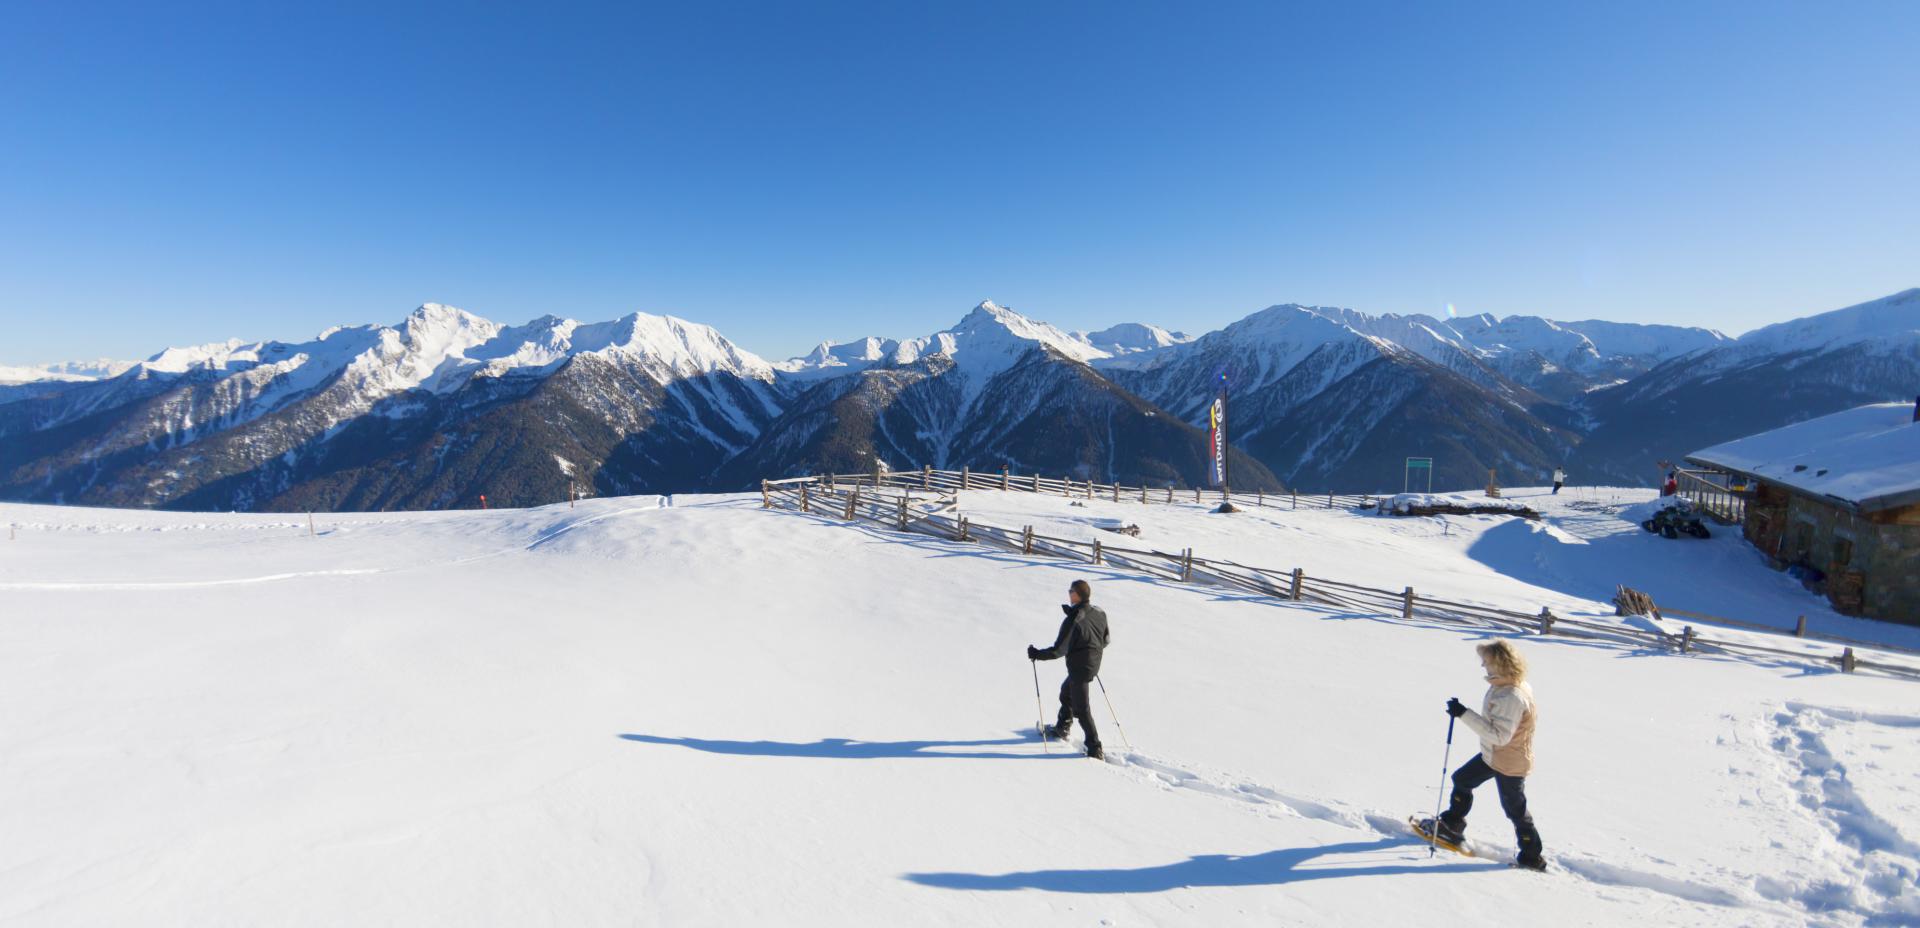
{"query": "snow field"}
pixel 711 714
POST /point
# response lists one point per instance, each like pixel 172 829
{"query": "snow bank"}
pixel 1426 504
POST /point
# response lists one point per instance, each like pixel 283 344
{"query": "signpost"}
pixel 1413 464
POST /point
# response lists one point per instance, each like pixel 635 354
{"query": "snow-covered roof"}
pixel 1867 458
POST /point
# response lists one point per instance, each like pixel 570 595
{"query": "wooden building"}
pixel 1837 500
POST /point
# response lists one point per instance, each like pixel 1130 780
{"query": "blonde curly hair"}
pixel 1504 660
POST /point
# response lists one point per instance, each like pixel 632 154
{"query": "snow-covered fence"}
pixel 919 502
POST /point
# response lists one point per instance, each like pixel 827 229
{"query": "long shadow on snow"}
pixel 849 749
pixel 1268 869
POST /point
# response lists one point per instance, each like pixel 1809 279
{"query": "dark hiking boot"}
pixel 1451 834
pixel 1534 862
pixel 1059 732
pixel 1094 751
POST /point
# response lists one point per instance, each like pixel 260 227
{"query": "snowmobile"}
pixel 1676 520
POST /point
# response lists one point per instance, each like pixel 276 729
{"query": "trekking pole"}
pixel 1433 832
pixel 1116 715
pixel 1038 713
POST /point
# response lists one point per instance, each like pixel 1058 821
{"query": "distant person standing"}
pixel 1672 485
pixel 1082 640
pixel 1505 726
pixel 1559 479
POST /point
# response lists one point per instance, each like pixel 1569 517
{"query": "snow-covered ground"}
pixel 704 713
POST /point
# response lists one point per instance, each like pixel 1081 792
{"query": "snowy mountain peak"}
pixel 434 327
pixel 1893 321
pixel 212 356
pixel 65 371
pixel 1134 337
pixel 991 327
pixel 684 348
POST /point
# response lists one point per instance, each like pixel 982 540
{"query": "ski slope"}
pixel 708 714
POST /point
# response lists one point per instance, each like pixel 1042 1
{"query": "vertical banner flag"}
pixel 1217 440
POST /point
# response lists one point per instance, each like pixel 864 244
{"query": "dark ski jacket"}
pixel 1083 636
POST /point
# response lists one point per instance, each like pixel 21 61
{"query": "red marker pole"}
pixel 483 501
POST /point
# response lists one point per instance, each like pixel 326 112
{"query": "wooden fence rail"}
pixel 967 479
pixel 923 505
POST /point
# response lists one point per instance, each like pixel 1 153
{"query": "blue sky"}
pixel 795 172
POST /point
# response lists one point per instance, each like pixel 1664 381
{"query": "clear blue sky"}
pixel 790 172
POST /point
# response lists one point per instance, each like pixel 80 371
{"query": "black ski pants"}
pixel 1513 801
pixel 1074 705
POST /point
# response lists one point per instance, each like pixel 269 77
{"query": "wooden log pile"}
pixel 1628 601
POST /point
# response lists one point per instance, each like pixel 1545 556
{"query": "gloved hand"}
pixel 1033 653
pixel 1456 708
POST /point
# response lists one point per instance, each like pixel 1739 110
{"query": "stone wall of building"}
pixel 1871 566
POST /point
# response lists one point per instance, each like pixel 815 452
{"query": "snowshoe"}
pixel 1448 837
pixel 1534 862
pixel 1058 732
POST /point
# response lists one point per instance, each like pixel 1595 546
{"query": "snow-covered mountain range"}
pixel 446 405
pixel 62 371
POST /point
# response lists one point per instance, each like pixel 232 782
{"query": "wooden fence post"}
pixel 876 472
pixel 1066 486
pixel 1847 663
pixel 1329 500
pixel 963 536
pixel 1686 639
pixel 1186 565
pixel 1546 621
pixel 1089 487
pixel 1036 483
pixel 310 531
pixel 766 502
pixel 966 478
pixel 853 499
pixel 1026 540
pixel 1169 493
pixel 1116 492
pixel 1298 575
pixel 1800 628
pixel 903 511
pixel 803 499
pixel 1196 494
pixel 1296 499
pixel 1096 550
pixel 1259 497
pixel 830 485
pixel 1406 604
pixel 1006 478
pixel 1143 492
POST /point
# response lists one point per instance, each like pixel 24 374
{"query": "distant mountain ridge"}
pixel 1773 376
pixel 446 405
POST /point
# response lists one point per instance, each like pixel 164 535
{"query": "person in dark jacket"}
pixel 1083 637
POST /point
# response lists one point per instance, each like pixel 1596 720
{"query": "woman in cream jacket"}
pixel 1505 726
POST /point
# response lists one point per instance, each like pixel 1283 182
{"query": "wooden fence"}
pixel 1712 491
pixel 922 502
pixel 929 480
